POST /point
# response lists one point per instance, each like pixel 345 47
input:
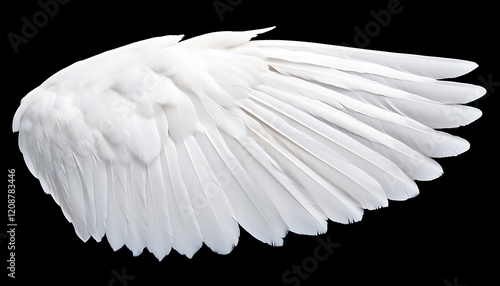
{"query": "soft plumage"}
pixel 168 144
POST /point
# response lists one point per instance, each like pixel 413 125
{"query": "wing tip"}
pixel 443 68
pixel 254 33
pixel 474 114
pixel 462 67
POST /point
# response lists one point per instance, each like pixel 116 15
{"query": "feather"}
pixel 425 66
pixel 425 168
pixel 395 183
pixel 428 112
pixel 76 191
pixel 251 205
pixel 210 205
pixel 159 228
pixel 167 144
pixel 100 182
pixel 117 205
pixel 137 223
pixel 300 214
pixel 187 233
pixel 362 187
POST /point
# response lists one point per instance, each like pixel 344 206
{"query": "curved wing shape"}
pixel 166 144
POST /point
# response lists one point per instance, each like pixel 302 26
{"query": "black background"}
pixel 445 236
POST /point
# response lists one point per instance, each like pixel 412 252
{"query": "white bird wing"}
pixel 166 144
